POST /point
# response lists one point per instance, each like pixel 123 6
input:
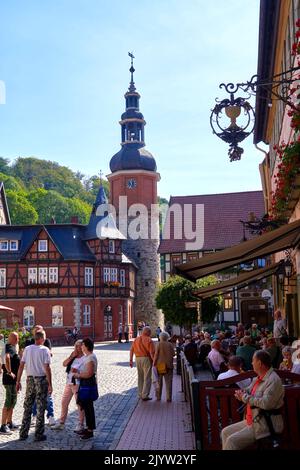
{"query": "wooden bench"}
pixel 215 407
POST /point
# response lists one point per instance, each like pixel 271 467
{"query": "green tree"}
pixel 11 183
pixel 4 165
pixel 79 208
pixel 49 204
pixel 48 175
pixel 21 210
pixel 173 295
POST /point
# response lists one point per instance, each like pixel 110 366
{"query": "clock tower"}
pixel 133 193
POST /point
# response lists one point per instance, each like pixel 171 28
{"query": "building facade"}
pixel 64 275
pixel 276 123
pixel 222 228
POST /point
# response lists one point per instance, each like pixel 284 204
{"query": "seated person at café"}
pixel 217 359
pixel 235 368
pixel 246 351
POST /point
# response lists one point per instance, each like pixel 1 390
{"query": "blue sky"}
pixel 65 68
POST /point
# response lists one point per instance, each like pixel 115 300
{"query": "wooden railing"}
pixel 214 406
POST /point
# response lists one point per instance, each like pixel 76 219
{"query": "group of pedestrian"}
pixel 81 383
pixel 120 333
pixel 149 356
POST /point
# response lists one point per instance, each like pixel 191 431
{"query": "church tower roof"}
pixel 133 155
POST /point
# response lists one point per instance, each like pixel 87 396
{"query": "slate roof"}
pixel 68 238
pixel 222 215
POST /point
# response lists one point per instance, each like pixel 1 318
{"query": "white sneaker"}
pixel 51 421
pixel 79 428
pixel 58 426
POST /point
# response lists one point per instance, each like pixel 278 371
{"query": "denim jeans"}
pixel 50 407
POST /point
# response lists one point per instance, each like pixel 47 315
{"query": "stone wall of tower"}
pixel 144 253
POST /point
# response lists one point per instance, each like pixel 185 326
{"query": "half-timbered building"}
pixel 62 275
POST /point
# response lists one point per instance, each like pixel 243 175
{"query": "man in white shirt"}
pixel 235 368
pixel 37 359
pixel 216 358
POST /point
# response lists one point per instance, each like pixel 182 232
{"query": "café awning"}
pixel 240 281
pixel 287 236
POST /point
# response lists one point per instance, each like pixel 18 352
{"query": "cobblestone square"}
pixel 117 399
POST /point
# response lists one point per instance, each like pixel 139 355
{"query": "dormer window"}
pixel 3 245
pixel 43 245
pixel 111 246
pixel 13 245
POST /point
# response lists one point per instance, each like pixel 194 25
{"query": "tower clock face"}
pixel 131 183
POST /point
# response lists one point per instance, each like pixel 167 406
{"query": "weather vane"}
pixel 131 70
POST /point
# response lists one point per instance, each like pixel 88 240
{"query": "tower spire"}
pixel 131 70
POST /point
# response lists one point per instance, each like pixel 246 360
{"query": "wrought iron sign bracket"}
pixel 277 87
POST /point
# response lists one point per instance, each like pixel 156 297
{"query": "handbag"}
pixel 88 390
pixel 161 368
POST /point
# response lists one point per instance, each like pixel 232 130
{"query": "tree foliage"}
pixel 173 295
pixel 20 209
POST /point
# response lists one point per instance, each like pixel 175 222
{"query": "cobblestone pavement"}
pixel 118 398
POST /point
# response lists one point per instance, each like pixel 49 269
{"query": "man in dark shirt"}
pixel 10 369
pixel 190 350
pixel 31 340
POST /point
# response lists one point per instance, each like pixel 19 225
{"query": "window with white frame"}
pixel 106 274
pixel 53 275
pixel 57 315
pixel 88 277
pixel 3 245
pixel 28 316
pixel 43 275
pixel 3 277
pixel 122 277
pixel 86 315
pixel 111 246
pixel 43 245
pixel 32 275
pixel 13 245
pixel 114 274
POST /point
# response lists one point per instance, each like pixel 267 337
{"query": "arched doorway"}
pixel 108 324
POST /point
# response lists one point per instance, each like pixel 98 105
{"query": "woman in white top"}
pixel 71 388
pixel 87 375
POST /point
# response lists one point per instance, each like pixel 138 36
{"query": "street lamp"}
pixel 285 270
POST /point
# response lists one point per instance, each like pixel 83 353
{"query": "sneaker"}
pixel 147 398
pixel 87 435
pixel 43 437
pixel 5 430
pixel 79 428
pixel 58 426
pixel 51 421
pixel 12 426
pixel 23 438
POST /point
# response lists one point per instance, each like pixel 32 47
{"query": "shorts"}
pixel 11 396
